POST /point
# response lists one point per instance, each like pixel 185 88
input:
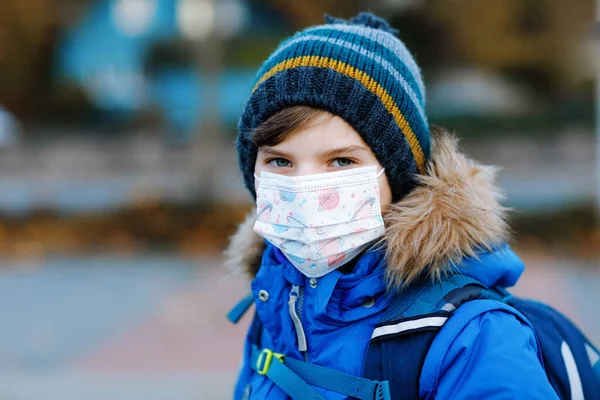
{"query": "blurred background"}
pixel 119 182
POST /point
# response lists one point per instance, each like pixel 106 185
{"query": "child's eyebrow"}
pixel 273 152
pixel 342 150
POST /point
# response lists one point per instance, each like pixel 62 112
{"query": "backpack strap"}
pixel 409 326
pixel 295 377
pixel 594 357
pixel 267 363
pixel 427 305
pixel 238 311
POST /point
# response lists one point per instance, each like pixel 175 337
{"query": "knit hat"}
pixel 358 70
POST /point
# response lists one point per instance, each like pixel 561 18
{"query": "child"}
pixel 362 211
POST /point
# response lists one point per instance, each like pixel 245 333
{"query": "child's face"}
pixel 327 144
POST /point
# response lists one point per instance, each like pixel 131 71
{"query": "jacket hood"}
pixel 453 215
pixel 501 267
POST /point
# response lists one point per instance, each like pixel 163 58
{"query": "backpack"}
pixel 408 327
pixel 411 322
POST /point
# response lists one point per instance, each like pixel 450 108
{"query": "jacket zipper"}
pixel 297 297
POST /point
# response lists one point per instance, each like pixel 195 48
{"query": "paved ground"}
pixel 154 328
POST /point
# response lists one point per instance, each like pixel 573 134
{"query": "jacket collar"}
pixel 452 214
pixel 339 297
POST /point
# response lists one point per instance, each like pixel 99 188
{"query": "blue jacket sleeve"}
pixel 494 356
pixel 244 374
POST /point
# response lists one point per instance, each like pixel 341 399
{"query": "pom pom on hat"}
pixel 365 19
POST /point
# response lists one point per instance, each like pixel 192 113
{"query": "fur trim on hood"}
pixel 452 213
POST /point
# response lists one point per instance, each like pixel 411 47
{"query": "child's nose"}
pixel 309 169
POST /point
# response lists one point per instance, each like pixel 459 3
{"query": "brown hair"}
pixel 283 124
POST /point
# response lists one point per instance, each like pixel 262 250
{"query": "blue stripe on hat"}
pixel 416 96
pixel 386 41
pixel 361 59
pixel 395 54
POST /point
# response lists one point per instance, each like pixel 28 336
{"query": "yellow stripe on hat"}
pixel 367 81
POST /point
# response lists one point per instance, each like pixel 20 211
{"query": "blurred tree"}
pixel 25 30
pixel 428 40
pixel 531 38
pixel 310 12
pixel 28 33
pixel 169 54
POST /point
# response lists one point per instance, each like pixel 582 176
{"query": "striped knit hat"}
pixel 358 70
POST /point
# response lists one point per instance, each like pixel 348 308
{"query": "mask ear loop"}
pixel 256 177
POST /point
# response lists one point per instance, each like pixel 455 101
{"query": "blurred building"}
pixel 536 36
pixel 100 90
pixel 122 60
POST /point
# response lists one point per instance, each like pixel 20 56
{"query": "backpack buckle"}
pixel 263 362
pixel 382 392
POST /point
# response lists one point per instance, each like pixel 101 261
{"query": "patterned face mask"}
pixel 320 222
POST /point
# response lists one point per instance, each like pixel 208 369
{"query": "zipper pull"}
pixel 294 293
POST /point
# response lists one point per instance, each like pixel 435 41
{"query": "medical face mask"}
pixel 320 222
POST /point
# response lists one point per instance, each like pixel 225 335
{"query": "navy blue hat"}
pixel 358 70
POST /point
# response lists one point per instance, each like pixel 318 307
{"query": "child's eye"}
pixel 342 162
pixel 279 162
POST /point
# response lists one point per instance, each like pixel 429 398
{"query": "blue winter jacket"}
pixel 481 352
pixel 493 355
